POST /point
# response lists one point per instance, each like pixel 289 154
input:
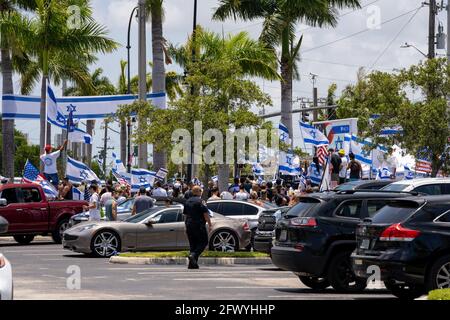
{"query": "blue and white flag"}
pixel 161 174
pixel 31 175
pixel 118 165
pixel 142 178
pixel 257 169
pixel 215 179
pixel 360 148
pixel 384 174
pixel 78 172
pixel 288 164
pixel 76 194
pixel 409 174
pixel 312 135
pixel 55 116
pixel 284 133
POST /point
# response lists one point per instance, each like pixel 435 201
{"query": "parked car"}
pixel 265 233
pixel 159 228
pixel 409 240
pixel 430 186
pixel 363 185
pixel 29 213
pixel 317 236
pixel 238 209
pixel 6 280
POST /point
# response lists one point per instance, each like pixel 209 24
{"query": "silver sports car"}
pixel 159 228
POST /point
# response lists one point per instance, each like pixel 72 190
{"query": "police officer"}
pixel 197 216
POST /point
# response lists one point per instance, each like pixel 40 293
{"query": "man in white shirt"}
pixel 343 167
pixel 49 159
pixel 94 206
pixel 159 191
pixel 242 194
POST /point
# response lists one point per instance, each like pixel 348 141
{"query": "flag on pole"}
pixel 322 153
pixel 118 165
pixel 288 164
pixel 257 169
pixel 32 175
pixel 284 133
pixel 162 173
pixel 76 194
pixel 325 184
pixel 142 178
pixel 78 172
pixel 123 178
pixel 312 135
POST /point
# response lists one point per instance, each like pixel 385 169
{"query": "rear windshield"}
pixel 395 187
pixel 395 212
pixel 302 209
pixel 345 187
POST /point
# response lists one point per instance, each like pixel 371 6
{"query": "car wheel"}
pixel 24 239
pixel 105 244
pixel 62 226
pixel 224 241
pixel 315 282
pixel 341 275
pixel 439 275
pixel 404 291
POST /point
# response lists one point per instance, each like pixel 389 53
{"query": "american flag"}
pixel 32 175
pixel 423 166
pixel 322 154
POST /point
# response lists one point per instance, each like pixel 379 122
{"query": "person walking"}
pixel 94 204
pixel 142 202
pixel 197 215
pixel 343 167
pixel 336 162
pixel 111 207
pixel 49 160
pixel 355 168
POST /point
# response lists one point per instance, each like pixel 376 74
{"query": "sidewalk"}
pixel 184 261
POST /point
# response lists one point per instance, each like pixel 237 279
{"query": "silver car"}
pixel 6 280
pixel 159 228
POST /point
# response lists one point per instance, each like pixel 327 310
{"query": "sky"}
pixel 333 54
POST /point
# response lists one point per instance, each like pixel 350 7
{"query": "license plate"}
pixel 283 235
pixel 365 244
pixel 358 262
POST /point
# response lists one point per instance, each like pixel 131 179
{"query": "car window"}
pixel 143 215
pixel 10 195
pixel 168 216
pixel 445 188
pixel 395 187
pixel 431 189
pixel 303 208
pixel 395 212
pixel 30 195
pixel 126 205
pixel 213 206
pixel 444 218
pixel 430 212
pixel 250 210
pixel 374 205
pixel 231 209
pixel 350 209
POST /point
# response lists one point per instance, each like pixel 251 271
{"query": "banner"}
pixel 87 108
pixel 335 131
pixel 78 172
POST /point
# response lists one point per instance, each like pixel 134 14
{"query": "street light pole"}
pixel 129 91
pixel 143 153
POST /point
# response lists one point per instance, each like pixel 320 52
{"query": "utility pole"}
pixel 315 97
pixel 143 151
pixel 448 31
pixel 432 29
pixel 104 150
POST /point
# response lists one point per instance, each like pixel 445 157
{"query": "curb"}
pixel 184 261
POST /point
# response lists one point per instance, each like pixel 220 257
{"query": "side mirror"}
pixel 151 221
pixel 3 202
pixel 3 225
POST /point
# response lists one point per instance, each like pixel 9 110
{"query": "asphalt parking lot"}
pixel 41 272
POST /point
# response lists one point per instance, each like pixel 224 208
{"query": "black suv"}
pixel 316 237
pixel 409 240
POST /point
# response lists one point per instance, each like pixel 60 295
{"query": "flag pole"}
pixel 324 172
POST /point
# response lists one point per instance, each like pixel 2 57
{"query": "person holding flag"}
pixel 315 172
pixel 49 160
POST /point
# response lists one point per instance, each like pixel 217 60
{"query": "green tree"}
pixel 280 19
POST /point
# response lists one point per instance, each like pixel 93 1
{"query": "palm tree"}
pixel 53 37
pixel 280 18
pixel 13 27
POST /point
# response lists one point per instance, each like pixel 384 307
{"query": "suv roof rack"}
pixel 413 193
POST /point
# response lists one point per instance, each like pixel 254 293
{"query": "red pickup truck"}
pixel 29 213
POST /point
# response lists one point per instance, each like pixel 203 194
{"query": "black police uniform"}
pixel 194 210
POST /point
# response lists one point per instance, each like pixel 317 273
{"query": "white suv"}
pixel 430 186
pixel 6 283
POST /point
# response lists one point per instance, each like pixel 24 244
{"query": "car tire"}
pixel 404 291
pixel 105 244
pixel 341 275
pixel 439 275
pixel 223 239
pixel 315 282
pixel 62 226
pixel 24 239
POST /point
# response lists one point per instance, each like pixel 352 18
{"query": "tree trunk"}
pixel 286 84
pixel 158 73
pixel 7 125
pixel 223 176
pixel 123 141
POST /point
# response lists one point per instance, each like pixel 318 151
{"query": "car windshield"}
pixel 395 187
pixel 302 208
pixel 395 212
pixel 143 215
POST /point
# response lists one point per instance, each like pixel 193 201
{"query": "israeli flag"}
pixel 312 135
pixel 384 174
pixel 257 169
pixel 215 179
pixel 118 165
pixel 162 173
pixel 142 178
pixel 284 133
pixel 78 172
pixel 76 194
pixel 288 165
pixel 409 174
pixel 359 147
pixel 49 190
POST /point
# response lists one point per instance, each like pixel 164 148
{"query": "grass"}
pixel 184 254
pixel 442 294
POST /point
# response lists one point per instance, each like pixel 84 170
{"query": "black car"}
pixel 265 233
pixel 363 185
pixel 409 240
pixel 317 236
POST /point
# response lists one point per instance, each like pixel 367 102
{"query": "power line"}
pixel 339 63
pixel 359 32
pixel 395 38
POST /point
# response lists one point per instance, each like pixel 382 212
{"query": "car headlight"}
pixel 84 228
pixel 2 261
